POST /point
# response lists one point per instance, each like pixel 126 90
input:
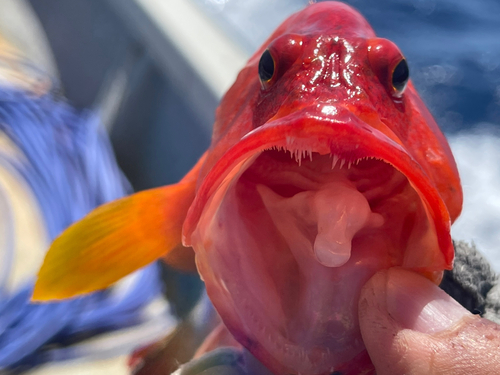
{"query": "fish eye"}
pixel 389 66
pixel 266 67
pixel 400 76
pixel 278 58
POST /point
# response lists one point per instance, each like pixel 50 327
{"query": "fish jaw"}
pixel 284 249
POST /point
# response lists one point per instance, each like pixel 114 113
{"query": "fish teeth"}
pixel 342 162
pixel 334 161
pixel 298 156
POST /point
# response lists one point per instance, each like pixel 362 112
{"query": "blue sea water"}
pixel 453 50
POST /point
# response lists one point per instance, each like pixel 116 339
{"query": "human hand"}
pixel 410 326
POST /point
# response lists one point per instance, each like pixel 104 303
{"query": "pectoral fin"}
pixel 115 240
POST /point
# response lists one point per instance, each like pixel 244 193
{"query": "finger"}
pixel 412 327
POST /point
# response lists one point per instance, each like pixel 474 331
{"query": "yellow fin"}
pixel 115 240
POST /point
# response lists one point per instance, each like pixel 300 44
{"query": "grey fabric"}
pixel 473 283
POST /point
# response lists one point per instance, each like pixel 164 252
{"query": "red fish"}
pixel 325 167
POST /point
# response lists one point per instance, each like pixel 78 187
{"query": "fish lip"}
pixel 341 133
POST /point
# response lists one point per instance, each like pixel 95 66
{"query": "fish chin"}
pixel 285 244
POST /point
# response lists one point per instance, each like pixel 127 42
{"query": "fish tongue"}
pixel 337 210
pixel 341 211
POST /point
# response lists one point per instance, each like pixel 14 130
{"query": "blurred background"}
pixel 156 70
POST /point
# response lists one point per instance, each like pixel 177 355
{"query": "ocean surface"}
pixel 453 50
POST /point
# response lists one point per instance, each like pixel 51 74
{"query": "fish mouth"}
pixel 294 219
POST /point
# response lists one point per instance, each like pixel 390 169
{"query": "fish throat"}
pixel 286 244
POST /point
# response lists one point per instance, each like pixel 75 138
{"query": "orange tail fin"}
pixel 115 240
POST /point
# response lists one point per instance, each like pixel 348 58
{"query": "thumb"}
pixel 410 326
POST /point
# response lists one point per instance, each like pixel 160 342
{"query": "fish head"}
pixel 325 167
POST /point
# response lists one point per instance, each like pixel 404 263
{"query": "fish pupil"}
pixel 266 66
pixel 400 76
